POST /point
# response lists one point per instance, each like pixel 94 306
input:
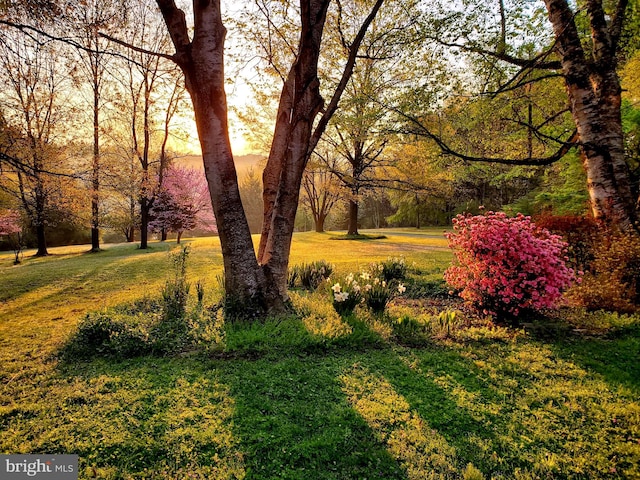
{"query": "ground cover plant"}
pixel 422 390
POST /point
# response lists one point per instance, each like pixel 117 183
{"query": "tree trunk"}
pixel 178 237
pixel 319 221
pixel 353 218
pixel 144 223
pixel 163 235
pixel 300 103
pixel 594 92
pixel 42 240
pixel 95 172
pixel 202 63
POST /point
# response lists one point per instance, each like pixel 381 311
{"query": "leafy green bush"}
pixel 121 332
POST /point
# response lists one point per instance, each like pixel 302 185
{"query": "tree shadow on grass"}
pixel 616 358
pixel 294 422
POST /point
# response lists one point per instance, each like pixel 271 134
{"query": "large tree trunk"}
pixel 594 91
pixel 353 217
pixel 202 63
pixel 300 103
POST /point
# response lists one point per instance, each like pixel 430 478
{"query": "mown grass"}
pixel 314 395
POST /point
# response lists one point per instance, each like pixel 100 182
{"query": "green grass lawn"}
pixel 314 396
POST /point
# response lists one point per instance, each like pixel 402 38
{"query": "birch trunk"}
pixel 594 92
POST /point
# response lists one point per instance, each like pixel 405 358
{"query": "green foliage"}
pixel 149 326
pixel 391 269
pixel 310 275
pixel 121 332
pixel 314 395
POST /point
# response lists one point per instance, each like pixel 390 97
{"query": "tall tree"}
pixel 321 189
pixel 360 131
pixel 87 19
pixel 35 109
pixel 260 281
pixel 588 67
pixel 154 95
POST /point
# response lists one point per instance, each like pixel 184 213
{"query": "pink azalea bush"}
pixel 504 265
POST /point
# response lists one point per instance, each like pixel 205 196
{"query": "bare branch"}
pixel 422 130
pixel 346 75
pixel 29 30
pixel 538 62
pixel 134 48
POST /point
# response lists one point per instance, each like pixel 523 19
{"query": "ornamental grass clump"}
pixel 506 265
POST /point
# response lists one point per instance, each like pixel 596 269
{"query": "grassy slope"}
pixel 510 405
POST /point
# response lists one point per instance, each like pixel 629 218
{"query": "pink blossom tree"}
pixel 504 265
pixel 11 228
pixel 183 203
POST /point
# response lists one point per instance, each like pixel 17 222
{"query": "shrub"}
pixel 506 265
pixel 580 233
pixel 613 279
pixel 121 332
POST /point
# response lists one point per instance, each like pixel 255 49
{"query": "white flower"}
pixel 336 288
pixel 367 287
pixel 341 296
pixel 356 288
pixel 365 276
pixel 384 284
pixel 402 289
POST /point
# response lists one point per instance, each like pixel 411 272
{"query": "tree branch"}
pixel 423 131
pixel 122 43
pixel 344 80
pixel 533 63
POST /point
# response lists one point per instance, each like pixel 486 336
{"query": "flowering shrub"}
pixel 11 229
pixel 506 265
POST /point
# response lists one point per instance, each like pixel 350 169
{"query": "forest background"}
pixel 95 125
